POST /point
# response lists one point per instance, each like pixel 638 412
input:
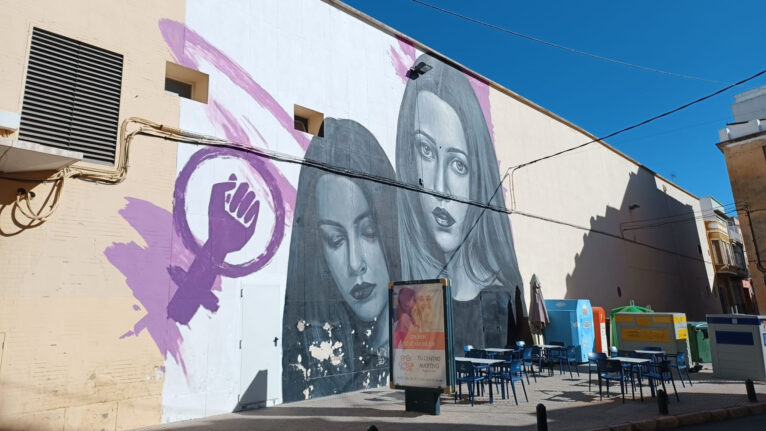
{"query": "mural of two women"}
pixel 352 236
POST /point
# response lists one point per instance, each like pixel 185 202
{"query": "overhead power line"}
pixel 647 121
pixel 689 215
pixel 568 49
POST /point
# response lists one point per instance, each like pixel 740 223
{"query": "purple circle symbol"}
pixel 182 225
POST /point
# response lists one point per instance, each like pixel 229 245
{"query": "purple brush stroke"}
pixel 221 117
pixel 188 47
pixel 145 271
pixel 482 93
pixel 401 62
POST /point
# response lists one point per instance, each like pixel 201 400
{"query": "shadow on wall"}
pixel 647 250
pixel 12 219
pixel 255 395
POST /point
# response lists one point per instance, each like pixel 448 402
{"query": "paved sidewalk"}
pixel 570 407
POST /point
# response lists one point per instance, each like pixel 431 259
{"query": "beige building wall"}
pixel 62 306
pixel 746 162
pixel 571 215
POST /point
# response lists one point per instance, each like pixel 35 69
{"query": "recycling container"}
pixel 664 330
pixel 599 319
pixel 699 342
pixel 738 346
pixel 571 324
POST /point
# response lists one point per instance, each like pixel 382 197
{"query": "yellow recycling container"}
pixel 667 331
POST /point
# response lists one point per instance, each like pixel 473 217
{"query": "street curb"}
pixel 692 418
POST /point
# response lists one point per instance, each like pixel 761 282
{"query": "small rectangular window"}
pixel 309 121
pixel 301 123
pixel 180 88
pixel 187 83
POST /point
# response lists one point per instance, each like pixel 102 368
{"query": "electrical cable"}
pixel 685 214
pixel 648 226
pixel 609 234
pixel 513 169
pixel 116 176
pixel 149 128
pixel 568 49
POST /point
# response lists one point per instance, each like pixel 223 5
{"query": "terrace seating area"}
pixel 485 374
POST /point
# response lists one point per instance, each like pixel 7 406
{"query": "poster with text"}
pixel 419 344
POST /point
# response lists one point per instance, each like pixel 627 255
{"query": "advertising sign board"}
pixel 421 336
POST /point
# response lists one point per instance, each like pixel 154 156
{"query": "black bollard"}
pixel 542 418
pixel 750 390
pixel 372 428
pixel 662 401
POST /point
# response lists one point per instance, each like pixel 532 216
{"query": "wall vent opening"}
pixel 72 96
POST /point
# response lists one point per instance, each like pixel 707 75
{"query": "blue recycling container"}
pixel 572 324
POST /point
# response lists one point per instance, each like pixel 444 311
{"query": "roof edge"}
pixel 425 48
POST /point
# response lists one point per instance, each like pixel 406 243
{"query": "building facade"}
pixel 743 144
pixel 202 206
pixel 732 279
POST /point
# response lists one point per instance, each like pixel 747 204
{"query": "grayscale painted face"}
pixel 351 245
pixel 442 162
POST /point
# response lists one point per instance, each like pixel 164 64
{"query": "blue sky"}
pixel 720 41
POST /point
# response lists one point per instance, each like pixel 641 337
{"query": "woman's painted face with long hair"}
pixel 351 245
pixel 442 161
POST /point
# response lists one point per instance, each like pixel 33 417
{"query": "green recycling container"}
pixel 699 342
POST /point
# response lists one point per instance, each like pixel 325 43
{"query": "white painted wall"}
pixel 312 54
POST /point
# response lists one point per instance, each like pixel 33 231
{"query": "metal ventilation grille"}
pixel 72 96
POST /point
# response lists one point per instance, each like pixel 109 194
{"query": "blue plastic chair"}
pixel 555 356
pixel 661 372
pixel 571 358
pixel 613 351
pixel 593 363
pixel 679 363
pixel 611 371
pixel 528 362
pixel 466 373
pixel 512 373
pixel 467 348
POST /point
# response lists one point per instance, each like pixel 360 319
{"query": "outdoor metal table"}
pixel 651 352
pixel 547 348
pixel 498 350
pixel 634 362
pixel 481 362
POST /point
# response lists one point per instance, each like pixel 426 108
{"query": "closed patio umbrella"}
pixel 538 314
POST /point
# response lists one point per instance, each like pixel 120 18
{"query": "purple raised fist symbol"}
pixel 232 216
